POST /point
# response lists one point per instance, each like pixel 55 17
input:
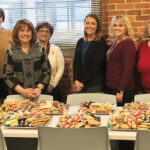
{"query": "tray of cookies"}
pixel 44 107
pixel 100 108
pixel 136 106
pixel 78 120
pixel 129 120
pixel 50 108
pixel 25 120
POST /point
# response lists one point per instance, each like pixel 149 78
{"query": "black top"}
pixel 92 73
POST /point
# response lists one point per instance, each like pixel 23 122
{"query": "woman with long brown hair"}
pixel 89 59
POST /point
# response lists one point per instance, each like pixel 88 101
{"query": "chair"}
pixel 41 97
pixel 142 98
pixel 2 141
pixel 142 140
pixel 74 99
pixel 73 139
pixel 44 97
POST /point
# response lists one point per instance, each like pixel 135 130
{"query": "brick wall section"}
pixel 66 83
pixel 138 12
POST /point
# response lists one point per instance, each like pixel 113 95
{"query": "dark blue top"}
pixel 84 49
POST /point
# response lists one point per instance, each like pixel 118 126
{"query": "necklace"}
pixel 113 46
pixel 110 50
pixel 25 50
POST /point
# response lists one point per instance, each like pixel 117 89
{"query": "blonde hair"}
pixel 145 33
pixel 124 20
pixel 18 26
pixel 98 33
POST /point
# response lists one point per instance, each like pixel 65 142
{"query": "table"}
pixel 33 133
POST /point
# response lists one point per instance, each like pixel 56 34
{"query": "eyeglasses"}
pixel 42 31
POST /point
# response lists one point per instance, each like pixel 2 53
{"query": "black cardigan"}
pixel 93 71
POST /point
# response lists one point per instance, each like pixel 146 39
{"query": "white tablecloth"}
pixel 33 133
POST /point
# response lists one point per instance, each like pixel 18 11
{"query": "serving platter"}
pixel 78 120
pixel 34 108
pixel 24 123
pixel 113 129
pixel 100 108
pixel 134 116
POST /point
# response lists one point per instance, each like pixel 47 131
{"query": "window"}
pixel 67 16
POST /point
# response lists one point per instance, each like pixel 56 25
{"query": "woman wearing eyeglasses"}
pixel 45 31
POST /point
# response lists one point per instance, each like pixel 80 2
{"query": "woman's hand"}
pixel 37 91
pixel 119 97
pixel 29 93
pixel 24 92
pixel 78 86
pixel 50 88
pixel 33 93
